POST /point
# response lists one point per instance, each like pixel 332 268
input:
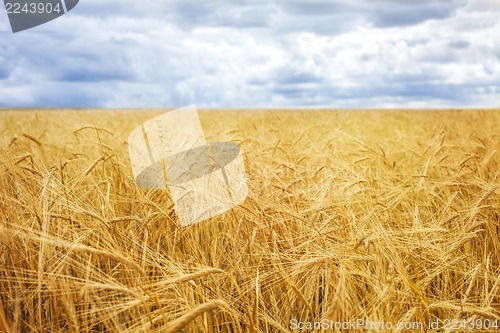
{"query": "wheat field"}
pixel 354 215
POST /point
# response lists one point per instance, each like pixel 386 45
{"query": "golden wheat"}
pixel 379 215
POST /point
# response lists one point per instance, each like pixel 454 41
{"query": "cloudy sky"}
pixel 259 53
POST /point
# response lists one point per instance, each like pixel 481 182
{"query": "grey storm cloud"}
pixel 459 44
pixel 387 13
pixel 293 53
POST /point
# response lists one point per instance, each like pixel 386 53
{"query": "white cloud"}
pixel 256 54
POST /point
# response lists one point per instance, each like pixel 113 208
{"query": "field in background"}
pixel 380 215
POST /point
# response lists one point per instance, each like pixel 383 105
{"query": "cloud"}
pixel 121 53
pixel 459 44
pixel 389 13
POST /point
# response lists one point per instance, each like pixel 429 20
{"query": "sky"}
pixel 256 54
